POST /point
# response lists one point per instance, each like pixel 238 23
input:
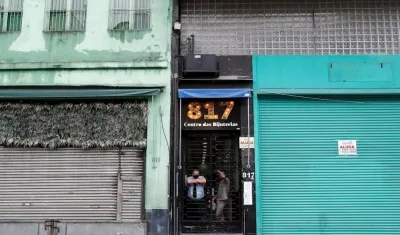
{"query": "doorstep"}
pixel 211 233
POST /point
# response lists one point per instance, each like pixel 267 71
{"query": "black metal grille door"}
pixel 208 153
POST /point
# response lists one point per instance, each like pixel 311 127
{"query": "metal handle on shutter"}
pixel 51 227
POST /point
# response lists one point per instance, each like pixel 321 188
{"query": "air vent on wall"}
pixel 200 65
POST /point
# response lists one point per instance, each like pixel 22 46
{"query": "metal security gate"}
pixel 209 152
pixel 306 187
pixel 70 184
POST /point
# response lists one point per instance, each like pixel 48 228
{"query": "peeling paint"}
pixel 31 37
pixel 33 48
pixel 104 77
pixel 98 28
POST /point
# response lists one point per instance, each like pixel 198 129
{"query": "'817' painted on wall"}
pixel 248 175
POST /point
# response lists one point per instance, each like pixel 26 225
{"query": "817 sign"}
pixel 195 113
pixel 248 175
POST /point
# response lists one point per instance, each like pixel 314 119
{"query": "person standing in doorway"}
pixel 222 196
pixel 196 207
pixel 196 184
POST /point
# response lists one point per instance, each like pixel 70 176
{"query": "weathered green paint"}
pixel 95 48
pixel 101 77
pixel 157 156
pixel 102 58
pixel 157 153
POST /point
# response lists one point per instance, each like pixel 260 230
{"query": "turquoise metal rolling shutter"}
pixel 307 188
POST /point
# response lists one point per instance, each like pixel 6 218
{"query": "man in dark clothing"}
pixel 196 205
pixel 196 185
pixel 222 196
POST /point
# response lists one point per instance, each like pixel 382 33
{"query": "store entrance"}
pixel 210 152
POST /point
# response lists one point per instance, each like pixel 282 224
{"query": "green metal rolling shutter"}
pixel 307 188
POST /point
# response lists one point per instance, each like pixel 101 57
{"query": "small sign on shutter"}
pixel 347 147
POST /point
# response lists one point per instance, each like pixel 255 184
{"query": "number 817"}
pixel 195 110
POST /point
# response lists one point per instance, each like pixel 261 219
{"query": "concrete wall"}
pixel 74 228
pixel 100 57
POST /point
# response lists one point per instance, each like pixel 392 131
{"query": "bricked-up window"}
pixel 130 15
pixel 66 15
pixel 11 15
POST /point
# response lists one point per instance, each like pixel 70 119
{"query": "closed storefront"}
pixel 71 184
pixel 327 158
pixel 70 165
pixel 214 140
pixel 329 165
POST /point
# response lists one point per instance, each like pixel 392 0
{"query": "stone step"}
pixel 211 233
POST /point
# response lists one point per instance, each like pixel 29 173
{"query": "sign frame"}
pixel 243 142
pixel 210 114
pixel 347 148
pixel 247 193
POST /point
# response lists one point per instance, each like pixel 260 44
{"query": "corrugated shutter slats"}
pixel 131 197
pixel 132 187
pixel 64 184
pixel 307 188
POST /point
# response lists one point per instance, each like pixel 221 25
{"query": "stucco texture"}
pixel 96 47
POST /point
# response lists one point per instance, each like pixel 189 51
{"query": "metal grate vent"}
pixel 239 27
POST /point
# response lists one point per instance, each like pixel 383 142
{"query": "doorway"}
pixel 209 152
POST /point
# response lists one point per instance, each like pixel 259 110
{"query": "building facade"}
pixel 85 97
pixel 212 99
pixel 327 144
pixel 324 90
pixel 213 121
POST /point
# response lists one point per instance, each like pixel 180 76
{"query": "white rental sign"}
pixel 347 147
pixel 246 142
pixel 248 193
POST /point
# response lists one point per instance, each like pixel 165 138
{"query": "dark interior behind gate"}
pixel 209 152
